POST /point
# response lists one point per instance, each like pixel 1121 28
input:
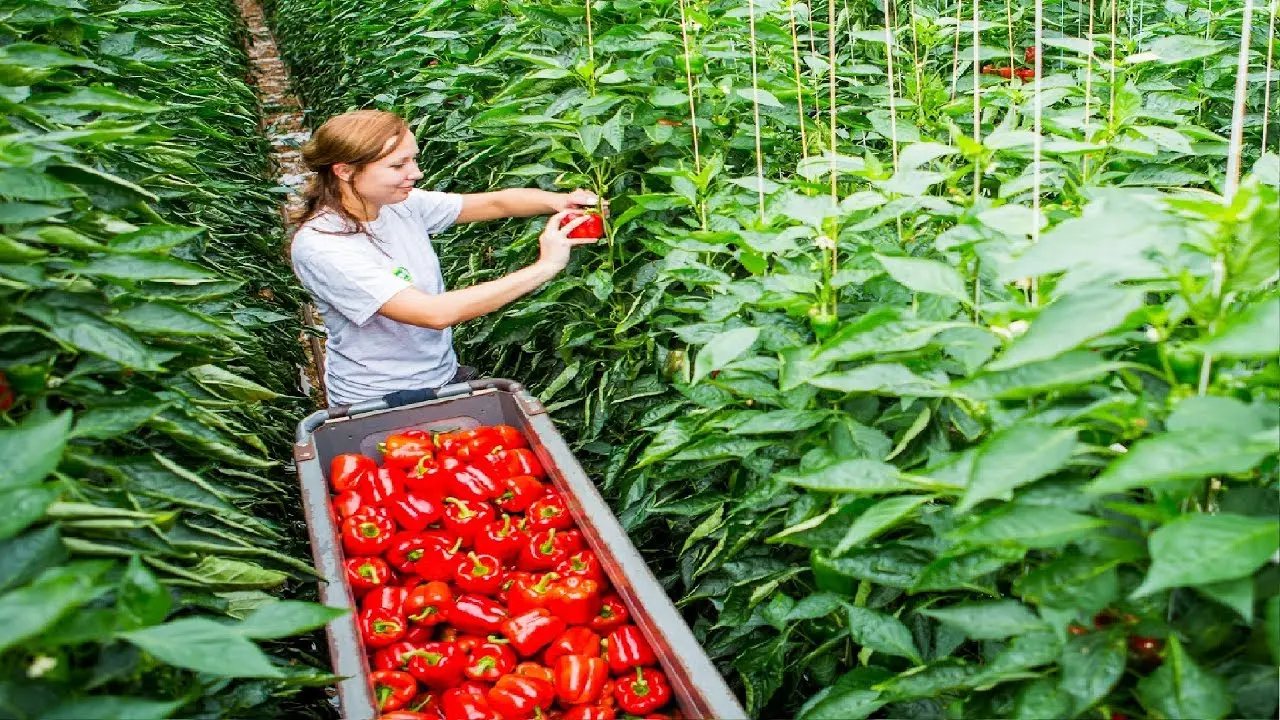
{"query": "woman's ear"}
pixel 343 171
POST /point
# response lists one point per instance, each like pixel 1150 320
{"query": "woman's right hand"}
pixel 555 243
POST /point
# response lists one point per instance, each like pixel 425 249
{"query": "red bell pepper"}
pixel 574 599
pixel 531 631
pixel 479 574
pixel 627 649
pixel 535 670
pixel 447 443
pixel 509 437
pixel 428 704
pixel 490 660
pixel 509 579
pixel 414 512
pixel 646 692
pixel 477 615
pixel 438 559
pixel 373 511
pixel 419 634
pixel 522 461
pixel 395 655
pixel 481 442
pixel 409 715
pixel 366 573
pixel 431 477
pixel 381 627
pixel 613 615
pixel 406 549
pixel 386 598
pixel 502 540
pixel 381 486
pixel 544 551
pixel 549 511
pixel 465 518
pixel 573 541
pixel 429 604
pixel 347 468
pixel 574 641
pixel 393 689
pixel 580 679
pixel 583 563
pixel 529 592
pixel 438 665
pixel 473 484
pixel 464 703
pixel 587 712
pixel 402 450
pixel 347 503
pixel 367 535
pixel 518 697
pixel 519 492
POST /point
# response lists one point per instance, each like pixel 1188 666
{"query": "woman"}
pixel 363 250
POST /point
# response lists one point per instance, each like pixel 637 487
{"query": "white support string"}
pixel 755 106
pixel 893 109
pixel 688 74
pixel 1266 78
pixel 955 53
pixel 831 84
pixel 795 59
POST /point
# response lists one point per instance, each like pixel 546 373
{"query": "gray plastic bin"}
pixel 699 690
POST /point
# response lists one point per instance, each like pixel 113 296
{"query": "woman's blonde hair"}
pixel 355 138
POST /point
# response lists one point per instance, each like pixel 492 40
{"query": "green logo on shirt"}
pixel 403 273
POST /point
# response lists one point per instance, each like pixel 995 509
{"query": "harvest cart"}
pixel 699 690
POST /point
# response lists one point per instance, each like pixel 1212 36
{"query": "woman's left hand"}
pixel 578 200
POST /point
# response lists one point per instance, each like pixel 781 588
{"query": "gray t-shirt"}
pixel 368 355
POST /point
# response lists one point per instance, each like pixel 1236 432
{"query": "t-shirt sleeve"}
pixel 437 211
pixel 353 283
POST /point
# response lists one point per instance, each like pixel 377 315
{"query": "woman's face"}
pixel 389 180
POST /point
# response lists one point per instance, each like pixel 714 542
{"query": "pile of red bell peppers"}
pixel 477 595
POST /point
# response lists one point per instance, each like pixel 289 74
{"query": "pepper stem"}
pixel 546 547
pixel 640 686
pixel 384 694
pixel 464 511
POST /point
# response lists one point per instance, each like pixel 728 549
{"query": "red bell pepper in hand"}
pixel 583 563
pixel 479 574
pixel 531 631
pixel 473 484
pixel 502 540
pixel 438 559
pixel 414 512
pixel 588 712
pixel 386 598
pixel 613 615
pixel 490 660
pixel 519 492
pixel 544 551
pixel 381 627
pixel 429 604
pixel 463 703
pixel 549 512
pixel 627 649
pixel 477 615
pixel 404 450
pixel 574 641
pixel 465 518
pixel 518 696
pixel 367 535
pixel 529 592
pixel 438 665
pixel 580 679
pixel 347 468
pixel 522 461
pixel 393 689
pixel 575 599
pixel 366 573
pixel 395 656
pixel 646 692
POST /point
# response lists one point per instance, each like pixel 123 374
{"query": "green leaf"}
pixel 1236 594
pixel 779 421
pixel 879 518
pixel 1066 371
pixel 144 267
pixel 1199 549
pixel 166 320
pixel 1091 665
pixel 203 645
pixel 24 184
pixel 1252 333
pixel 27 612
pixel 723 349
pixel 852 476
pixel 29 554
pixel 225 572
pixel 879 332
pixel 1042 699
pixel 107 707
pixel 1273 627
pixel 115 419
pixel 22 507
pixel 155 238
pixel 1014 457
pixel 1068 322
pixel 1028 526
pixel 100 99
pixel 849 698
pixel 882 633
pixel 1181 690
pixel 140 598
pixel 925 276
pixel 1184 455
pixel 287 617
pixel 33 448
pixel 1071 581
pixel 667 97
pixel 879 379
pixel 1172 49
pixel 988 620
pixel 1167 138
pixel 229 385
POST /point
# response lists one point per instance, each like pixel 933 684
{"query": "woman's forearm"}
pixel 414 307
pixel 527 202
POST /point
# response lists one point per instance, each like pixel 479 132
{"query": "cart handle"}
pixel 400 398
